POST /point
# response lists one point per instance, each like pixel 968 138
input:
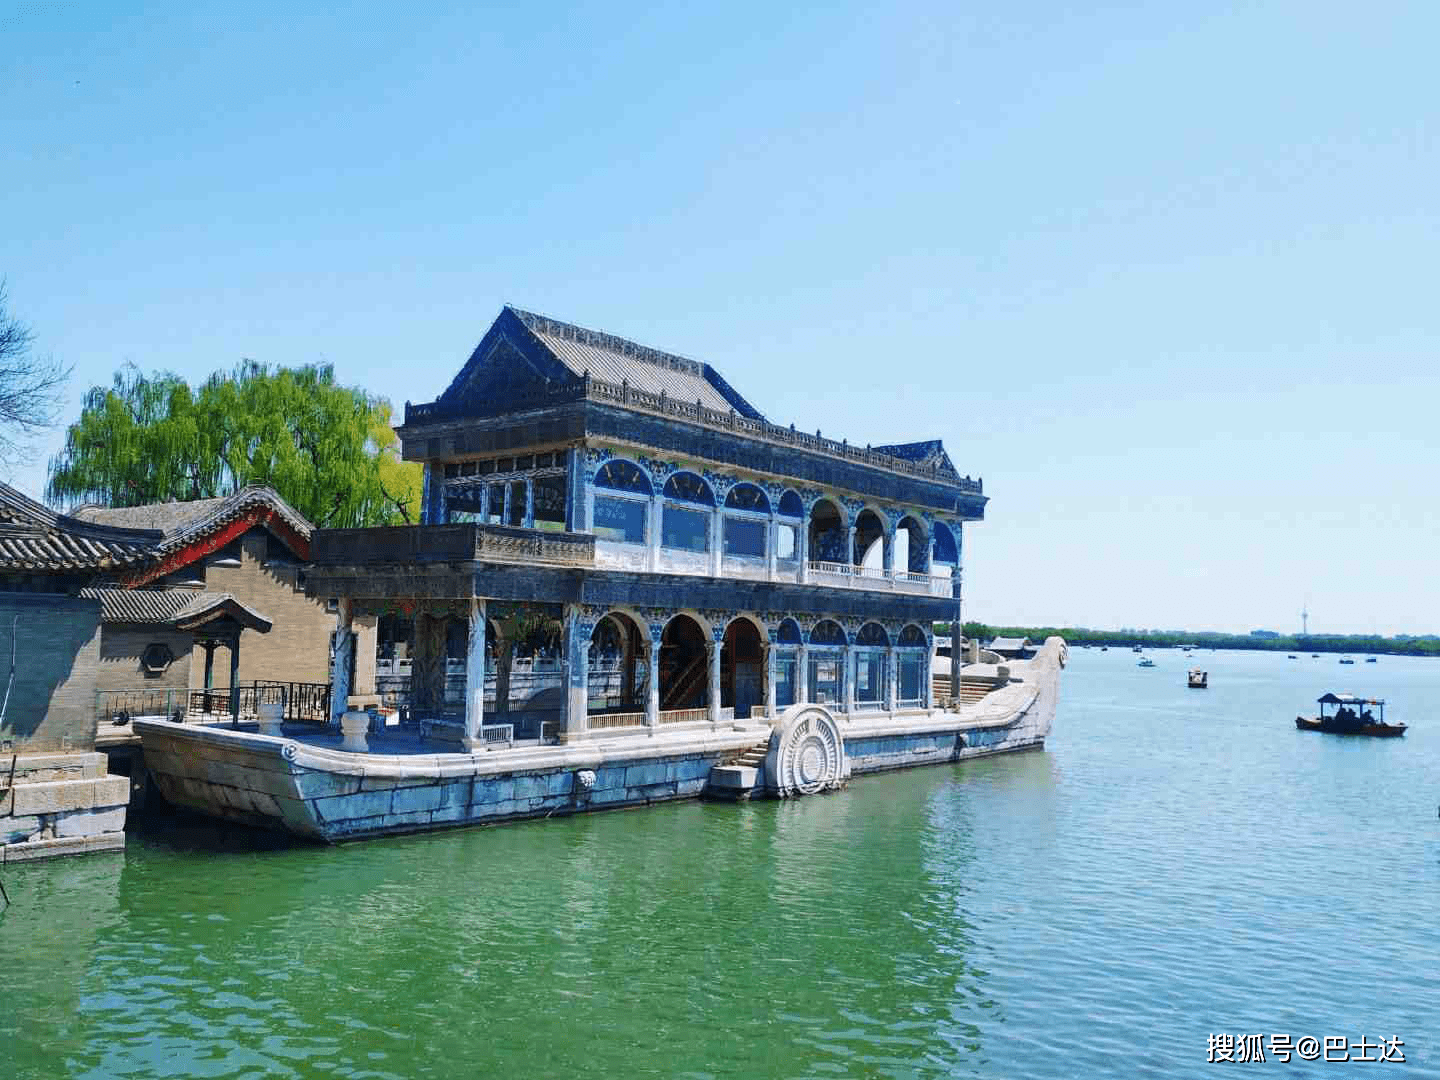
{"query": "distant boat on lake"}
pixel 1352 717
pixel 1369 659
pixel 1346 660
pixel 1199 680
pixel 1146 662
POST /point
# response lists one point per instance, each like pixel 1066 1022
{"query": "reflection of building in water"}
pixel 614 539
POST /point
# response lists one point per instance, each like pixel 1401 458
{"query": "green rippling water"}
pixel 1176 863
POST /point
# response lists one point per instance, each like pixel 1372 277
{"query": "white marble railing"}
pixel 866 577
pixel 498 733
pixel 636 557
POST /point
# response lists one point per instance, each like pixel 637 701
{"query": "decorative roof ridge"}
pixel 18 502
pixel 602 339
pixel 233 505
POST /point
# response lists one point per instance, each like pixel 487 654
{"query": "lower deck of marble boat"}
pixel 308 783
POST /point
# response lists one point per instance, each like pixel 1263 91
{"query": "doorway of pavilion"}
pixel 684 665
pixel 742 669
pixel 618 673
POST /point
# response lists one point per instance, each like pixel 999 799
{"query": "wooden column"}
pixel 235 680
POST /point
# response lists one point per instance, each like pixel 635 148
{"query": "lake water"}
pixel 1176 863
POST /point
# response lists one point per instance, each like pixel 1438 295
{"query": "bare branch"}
pixel 30 388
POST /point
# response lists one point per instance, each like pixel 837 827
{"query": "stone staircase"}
pixel 739 777
pixel 971 689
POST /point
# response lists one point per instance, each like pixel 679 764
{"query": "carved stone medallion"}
pixel 807 753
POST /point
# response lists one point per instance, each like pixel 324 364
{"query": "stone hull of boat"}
pixel 330 795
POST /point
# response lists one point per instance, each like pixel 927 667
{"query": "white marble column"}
pixel 529 520
pixel 770 677
pixel 854 558
pixel 772 543
pixel 892 679
pixel 577 673
pixel 475 678
pixel 712 650
pixel 803 546
pixel 847 678
pixel 802 676
pixel 505 506
pixel 927 694
pixel 652 688
pixel 656 529
pixel 716 538
pixel 343 661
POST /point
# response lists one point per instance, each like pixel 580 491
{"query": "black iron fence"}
pixel 307 703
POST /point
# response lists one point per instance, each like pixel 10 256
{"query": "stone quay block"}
pixel 91 822
pixel 59 796
pixel 734 777
pixel 46 849
pixel 16 830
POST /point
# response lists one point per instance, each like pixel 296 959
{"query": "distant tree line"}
pixel 1400 645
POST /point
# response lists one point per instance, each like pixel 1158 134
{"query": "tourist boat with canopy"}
pixel 1352 716
pixel 1199 680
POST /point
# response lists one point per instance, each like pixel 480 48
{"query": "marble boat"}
pixel 309 785
pixel 627 585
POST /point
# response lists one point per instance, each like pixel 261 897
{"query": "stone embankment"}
pixel 60 804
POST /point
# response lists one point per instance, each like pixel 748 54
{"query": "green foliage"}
pixel 1403 645
pixel 329 450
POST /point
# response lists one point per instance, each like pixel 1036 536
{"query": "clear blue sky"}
pixel 1165 278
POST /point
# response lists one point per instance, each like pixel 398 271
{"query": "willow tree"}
pixel 329 450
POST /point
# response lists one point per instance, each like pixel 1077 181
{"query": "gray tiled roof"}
pixel 618 360
pixel 170 607
pixel 34 537
pixel 151 606
pixel 182 521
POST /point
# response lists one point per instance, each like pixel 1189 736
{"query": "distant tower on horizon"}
pixel 1305 620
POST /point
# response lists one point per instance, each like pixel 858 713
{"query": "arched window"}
pixel 687 487
pixel 869 541
pixel 828 534
pixel 872 633
pixel 747 497
pixel 826 663
pixel 870 666
pixel 686 528
pixel 910 666
pixel 746 536
pixel 787 658
pixel 791 506
pixel 913 547
pixel 620 475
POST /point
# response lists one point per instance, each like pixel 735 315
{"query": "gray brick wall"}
pixel 56 646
